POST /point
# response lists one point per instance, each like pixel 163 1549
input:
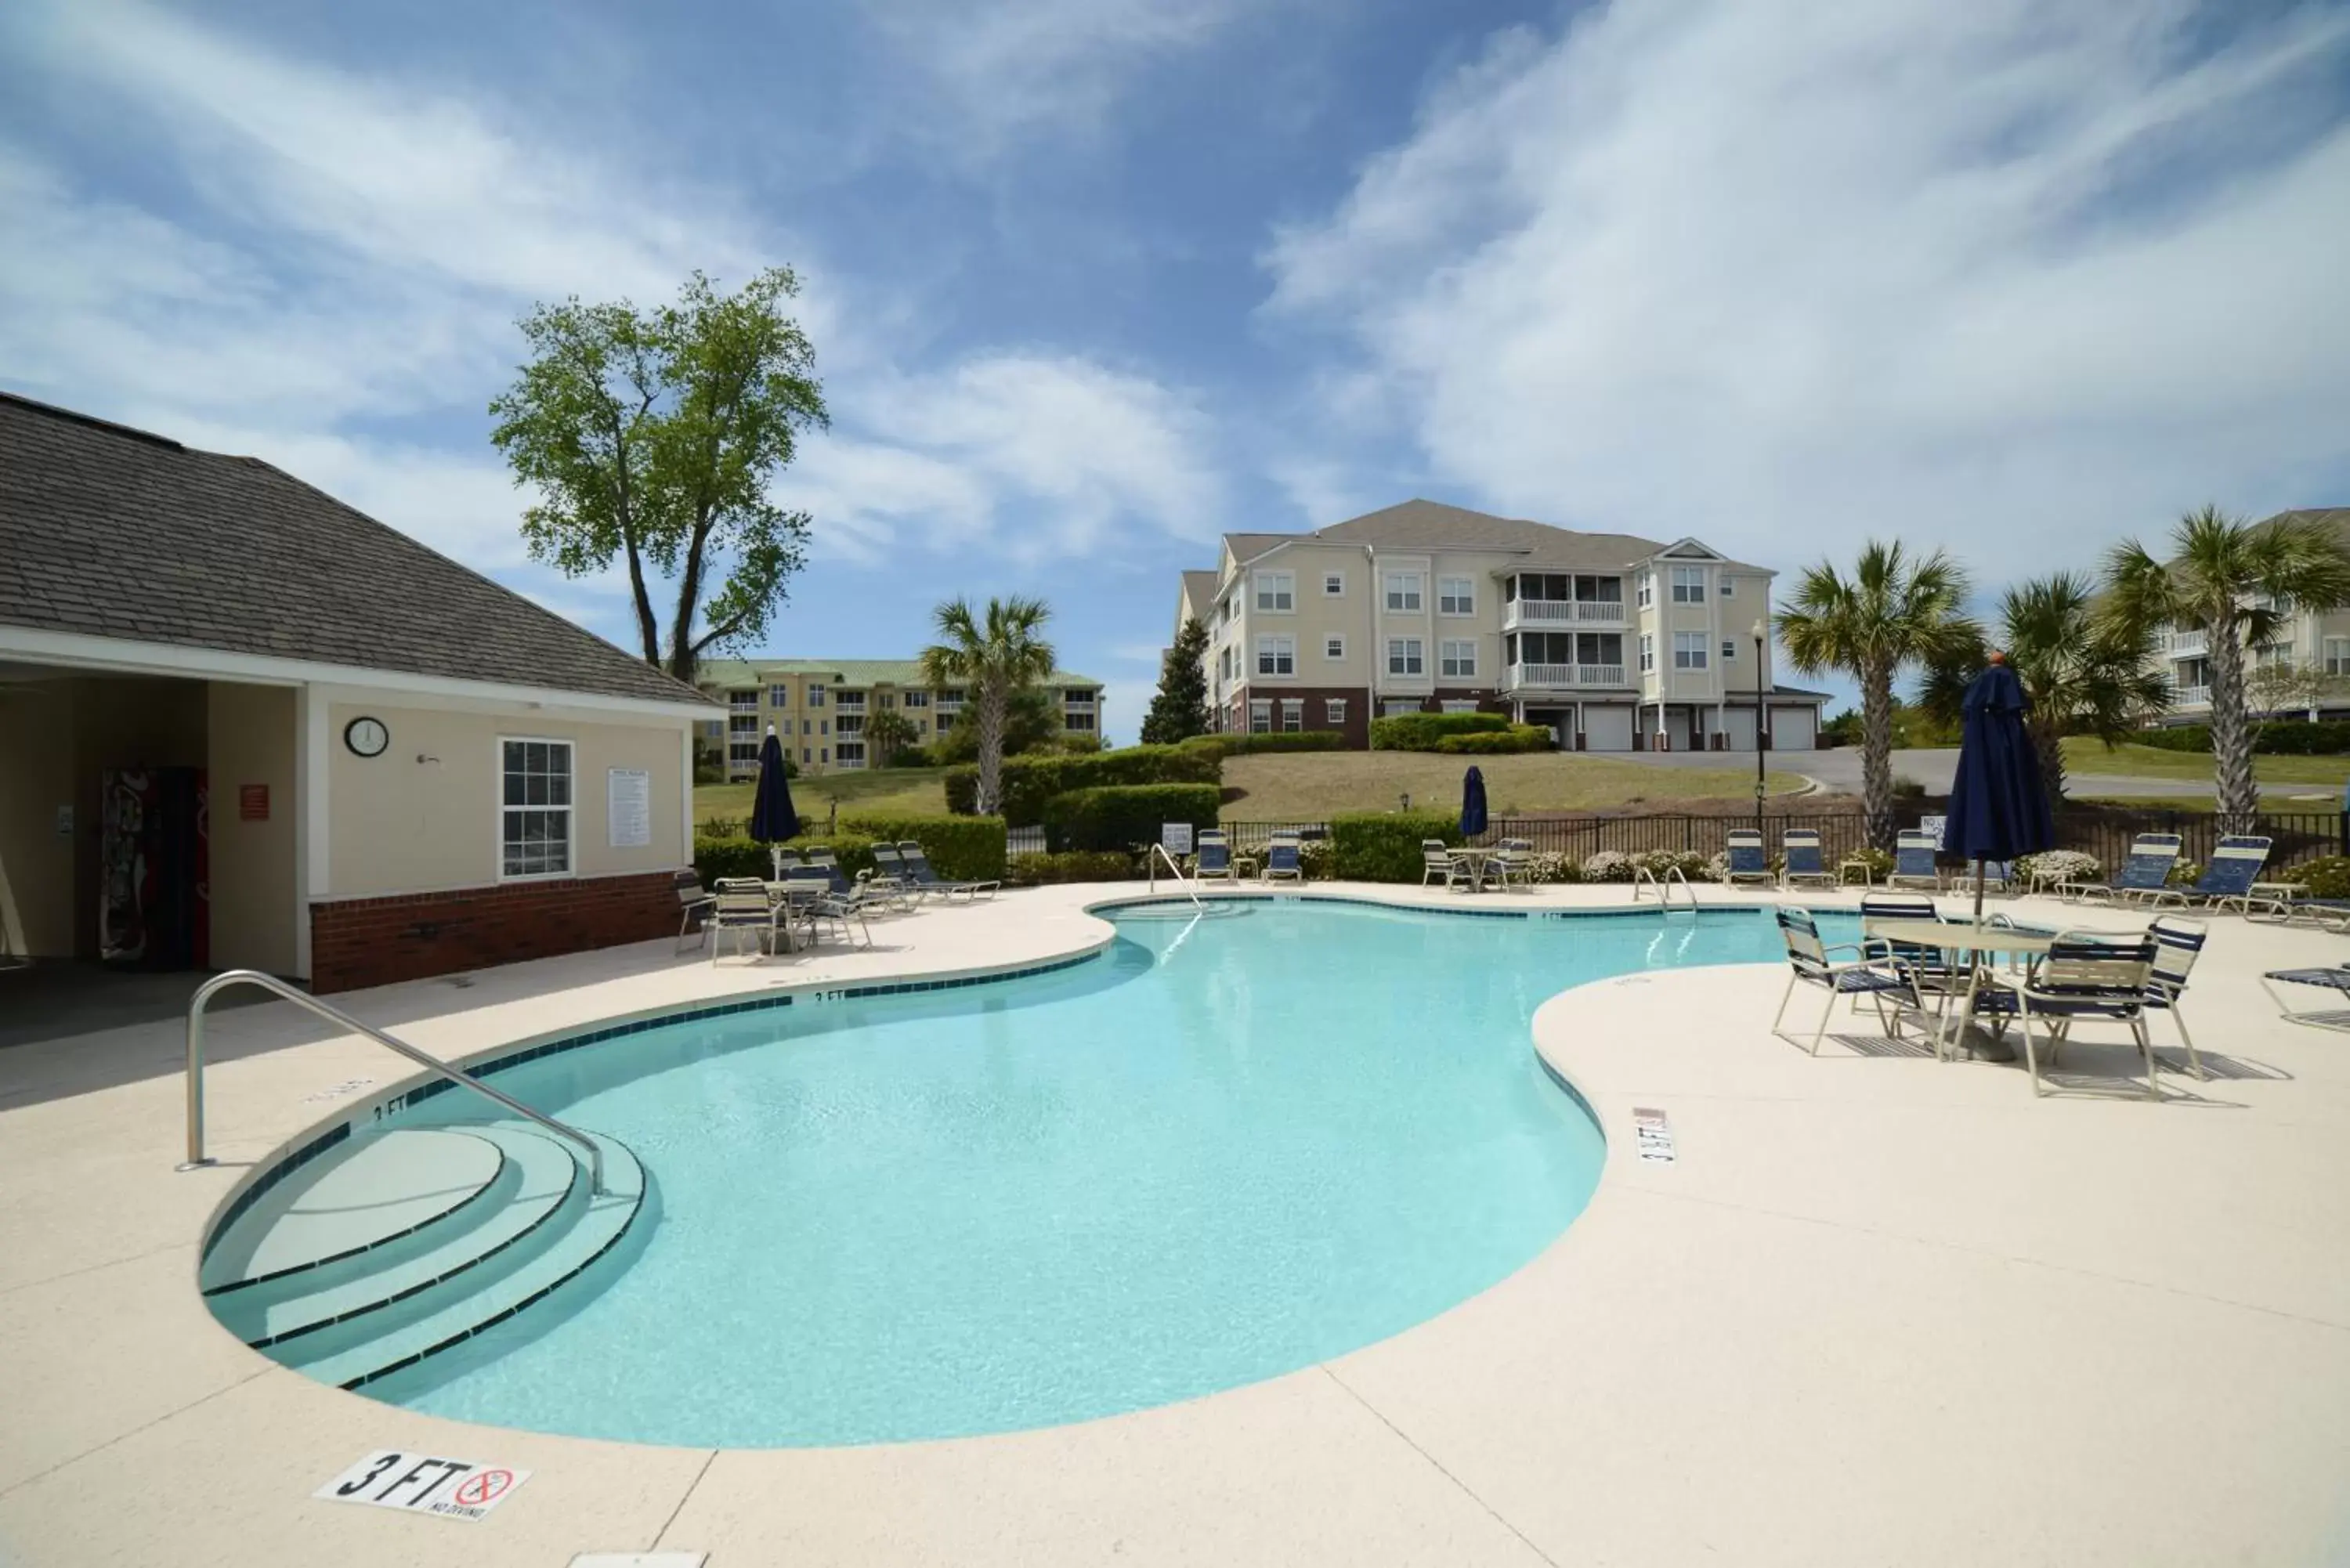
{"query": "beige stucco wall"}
pixel 252 742
pixel 36 777
pixel 399 824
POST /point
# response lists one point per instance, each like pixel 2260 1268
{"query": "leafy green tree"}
pixel 1892 612
pixel 1179 708
pixel 993 657
pixel 889 737
pixel 2082 674
pixel 651 437
pixel 2239 584
pixel 1032 722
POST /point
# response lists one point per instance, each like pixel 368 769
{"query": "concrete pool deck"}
pixel 1879 1309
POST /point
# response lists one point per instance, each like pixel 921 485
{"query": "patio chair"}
pixel 781 859
pixel 2335 978
pixel 1436 865
pixel 2084 974
pixel 1513 860
pixel 2145 871
pixel 1743 849
pixel 1281 860
pixel 2227 879
pixel 1913 861
pixel 1214 863
pixel 1800 849
pixel 2177 943
pixel 691 901
pixel 1928 969
pixel 889 879
pixel 814 897
pixel 1869 974
pixel 918 873
pixel 741 904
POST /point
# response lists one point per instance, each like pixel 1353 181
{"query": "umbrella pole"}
pixel 1979 889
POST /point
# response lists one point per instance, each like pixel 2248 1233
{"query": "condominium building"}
pixel 1612 641
pixel 2309 640
pixel 820 707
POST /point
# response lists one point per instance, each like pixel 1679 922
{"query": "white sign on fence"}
pixel 421 1483
pixel 1176 837
pixel 1934 824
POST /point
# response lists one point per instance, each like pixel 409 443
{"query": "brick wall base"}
pixel 375 941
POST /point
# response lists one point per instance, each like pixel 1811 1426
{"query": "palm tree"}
pixel 1892 612
pixel 2082 674
pixel 990 661
pixel 2239 584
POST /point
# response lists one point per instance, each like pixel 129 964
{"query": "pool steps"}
pixel 407 1241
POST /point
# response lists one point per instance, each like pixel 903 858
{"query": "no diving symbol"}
pixel 484 1486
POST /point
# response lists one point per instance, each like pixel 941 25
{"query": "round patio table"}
pixel 1977 943
pixel 1477 861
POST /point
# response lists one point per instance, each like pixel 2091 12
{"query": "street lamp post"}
pixel 1761 630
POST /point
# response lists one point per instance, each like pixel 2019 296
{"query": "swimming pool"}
pixel 1225 1149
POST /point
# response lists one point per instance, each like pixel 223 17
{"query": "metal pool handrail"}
pixel 1159 853
pixel 270 982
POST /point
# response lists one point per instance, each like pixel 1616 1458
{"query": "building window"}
pixel 1403 591
pixel 1689 651
pixel 742 699
pixel 1728 648
pixel 745 752
pixel 852 724
pixel 1333 710
pixel 806 754
pixel 1277 656
pixel 1293 715
pixel 1276 591
pixel 1730 587
pixel 1458 707
pixel 1397 706
pixel 1689 586
pixel 534 811
pixel 918 699
pixel 1647 652
pixel 1647 595
pixel 1334 585
pixel 779 696
pixel 1078 719
pixel 1456 596
pixel 823 726
pixel 1223 664
pixel 1404 657
pixel 743 723
pixel 850 699
pixel 852 753
pixel 1334 648
pixel 815 697
pixel 1457 658
pixel 2337 656
pixel 824 754
pixel 1261 716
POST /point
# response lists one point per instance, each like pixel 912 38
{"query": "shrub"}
pixel 2058 866
pixel 1120 816
pixel 1692 865
pixel 720 827
pixel 1317 859
pixel 1384 847
pixel 1497 742
pixel 1878 861
pixel 2282 737
pixel 959 848
pixel 1071 865
pixel 1420 732
pixel 1551 866
pixel 716 858
pixel 1030 780
pixel 1608 866
pixel 2183 873
pixel 2328 876
pixel 1222 746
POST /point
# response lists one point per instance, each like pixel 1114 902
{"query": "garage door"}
pixel 1677 725
pixel 1607 729
pixel 1795 728
pixel 1739 725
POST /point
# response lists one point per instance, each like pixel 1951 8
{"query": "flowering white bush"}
pixel 1550 865
pixel 1608 866
pixel 2053 866
pixel 1717 868
pixel 1687 862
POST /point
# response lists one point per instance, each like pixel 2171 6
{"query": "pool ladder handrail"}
pixel 1158 853
pixel 1664 887
pixel 197 1159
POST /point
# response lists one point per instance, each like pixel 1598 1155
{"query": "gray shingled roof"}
pixel 1434 525
pixel 110 532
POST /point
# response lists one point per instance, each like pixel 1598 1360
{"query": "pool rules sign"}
pixel 421 1483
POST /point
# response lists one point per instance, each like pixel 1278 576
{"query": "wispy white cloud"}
pixel 2010 275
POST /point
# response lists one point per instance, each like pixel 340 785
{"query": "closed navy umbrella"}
pixel 1473 804
pixel 772 818
pixel 1999 803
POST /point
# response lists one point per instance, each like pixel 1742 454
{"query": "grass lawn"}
pixel 913 792
pixel 1308 786
pixel 2086 755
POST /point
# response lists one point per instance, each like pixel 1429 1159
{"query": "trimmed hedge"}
pixel 2283 737
pixel 1072 866
pixel 1221 747
pixel 1384 845
pixel 1498 743
pixel 1120 816
pixel 716 858
pixel 1420 732
pixel 1033 778
pixel 959 848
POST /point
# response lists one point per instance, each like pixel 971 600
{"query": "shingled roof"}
pixel 111 532
pixel 1423 525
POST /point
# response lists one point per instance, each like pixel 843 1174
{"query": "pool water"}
pixel 1226 1149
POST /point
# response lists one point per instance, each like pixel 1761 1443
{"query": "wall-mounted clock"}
pixel 366 737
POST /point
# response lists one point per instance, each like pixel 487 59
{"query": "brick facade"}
pixel 359 942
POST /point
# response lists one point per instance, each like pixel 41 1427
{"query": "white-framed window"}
pixel 1456 596
pixel 1729 651
pixel 918 699
pixel 1404 657
pixel 815 697
pixel 742 751
pixel 807 754
pixel 1648 589
pixel 1334 648
pixel 779 696
pixel 1225 663
pixel 1334 585
pixel 1452 706
pixel 1689 585
pixel 1728 587
pixel 823 726
pixel 1277 656
pixel 534 807
pixel 1689 651
pixel 1276 591
pixel 1293 715
pixel 1647 652
pixel 749 699
pixel 850 699
pixel 2337 656
pixel 743 724
pixel 1456 659
pixel 852 724
pixel 1260 716
pixel 1079 719
pixel 1403 592
pixel 852 753
pixel 1333 710
pixel 824 755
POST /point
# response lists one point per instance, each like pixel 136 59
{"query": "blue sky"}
pixel 1093 281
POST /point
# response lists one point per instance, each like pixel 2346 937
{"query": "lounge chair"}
pixel 918 873
pixel 692 900
pixel 2334 977
pixel 741 904
pixel 1213 861
pixel 889 879
pixel 814 897
pixel 1913 862
pixel 1801 861
pixel 1744 859
pixel 2227 880
pixel 2084 974
pixel 1281 860
pixel 1868 974
pixel 2145 871
pixel 1436 865
pixel 868 891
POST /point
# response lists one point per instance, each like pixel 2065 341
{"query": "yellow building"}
pixel 820 707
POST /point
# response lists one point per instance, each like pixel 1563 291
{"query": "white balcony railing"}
pixel 1521 675
pixel 743 701
pixel 2187 644
pixel 1587 612
pixel 2190 696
